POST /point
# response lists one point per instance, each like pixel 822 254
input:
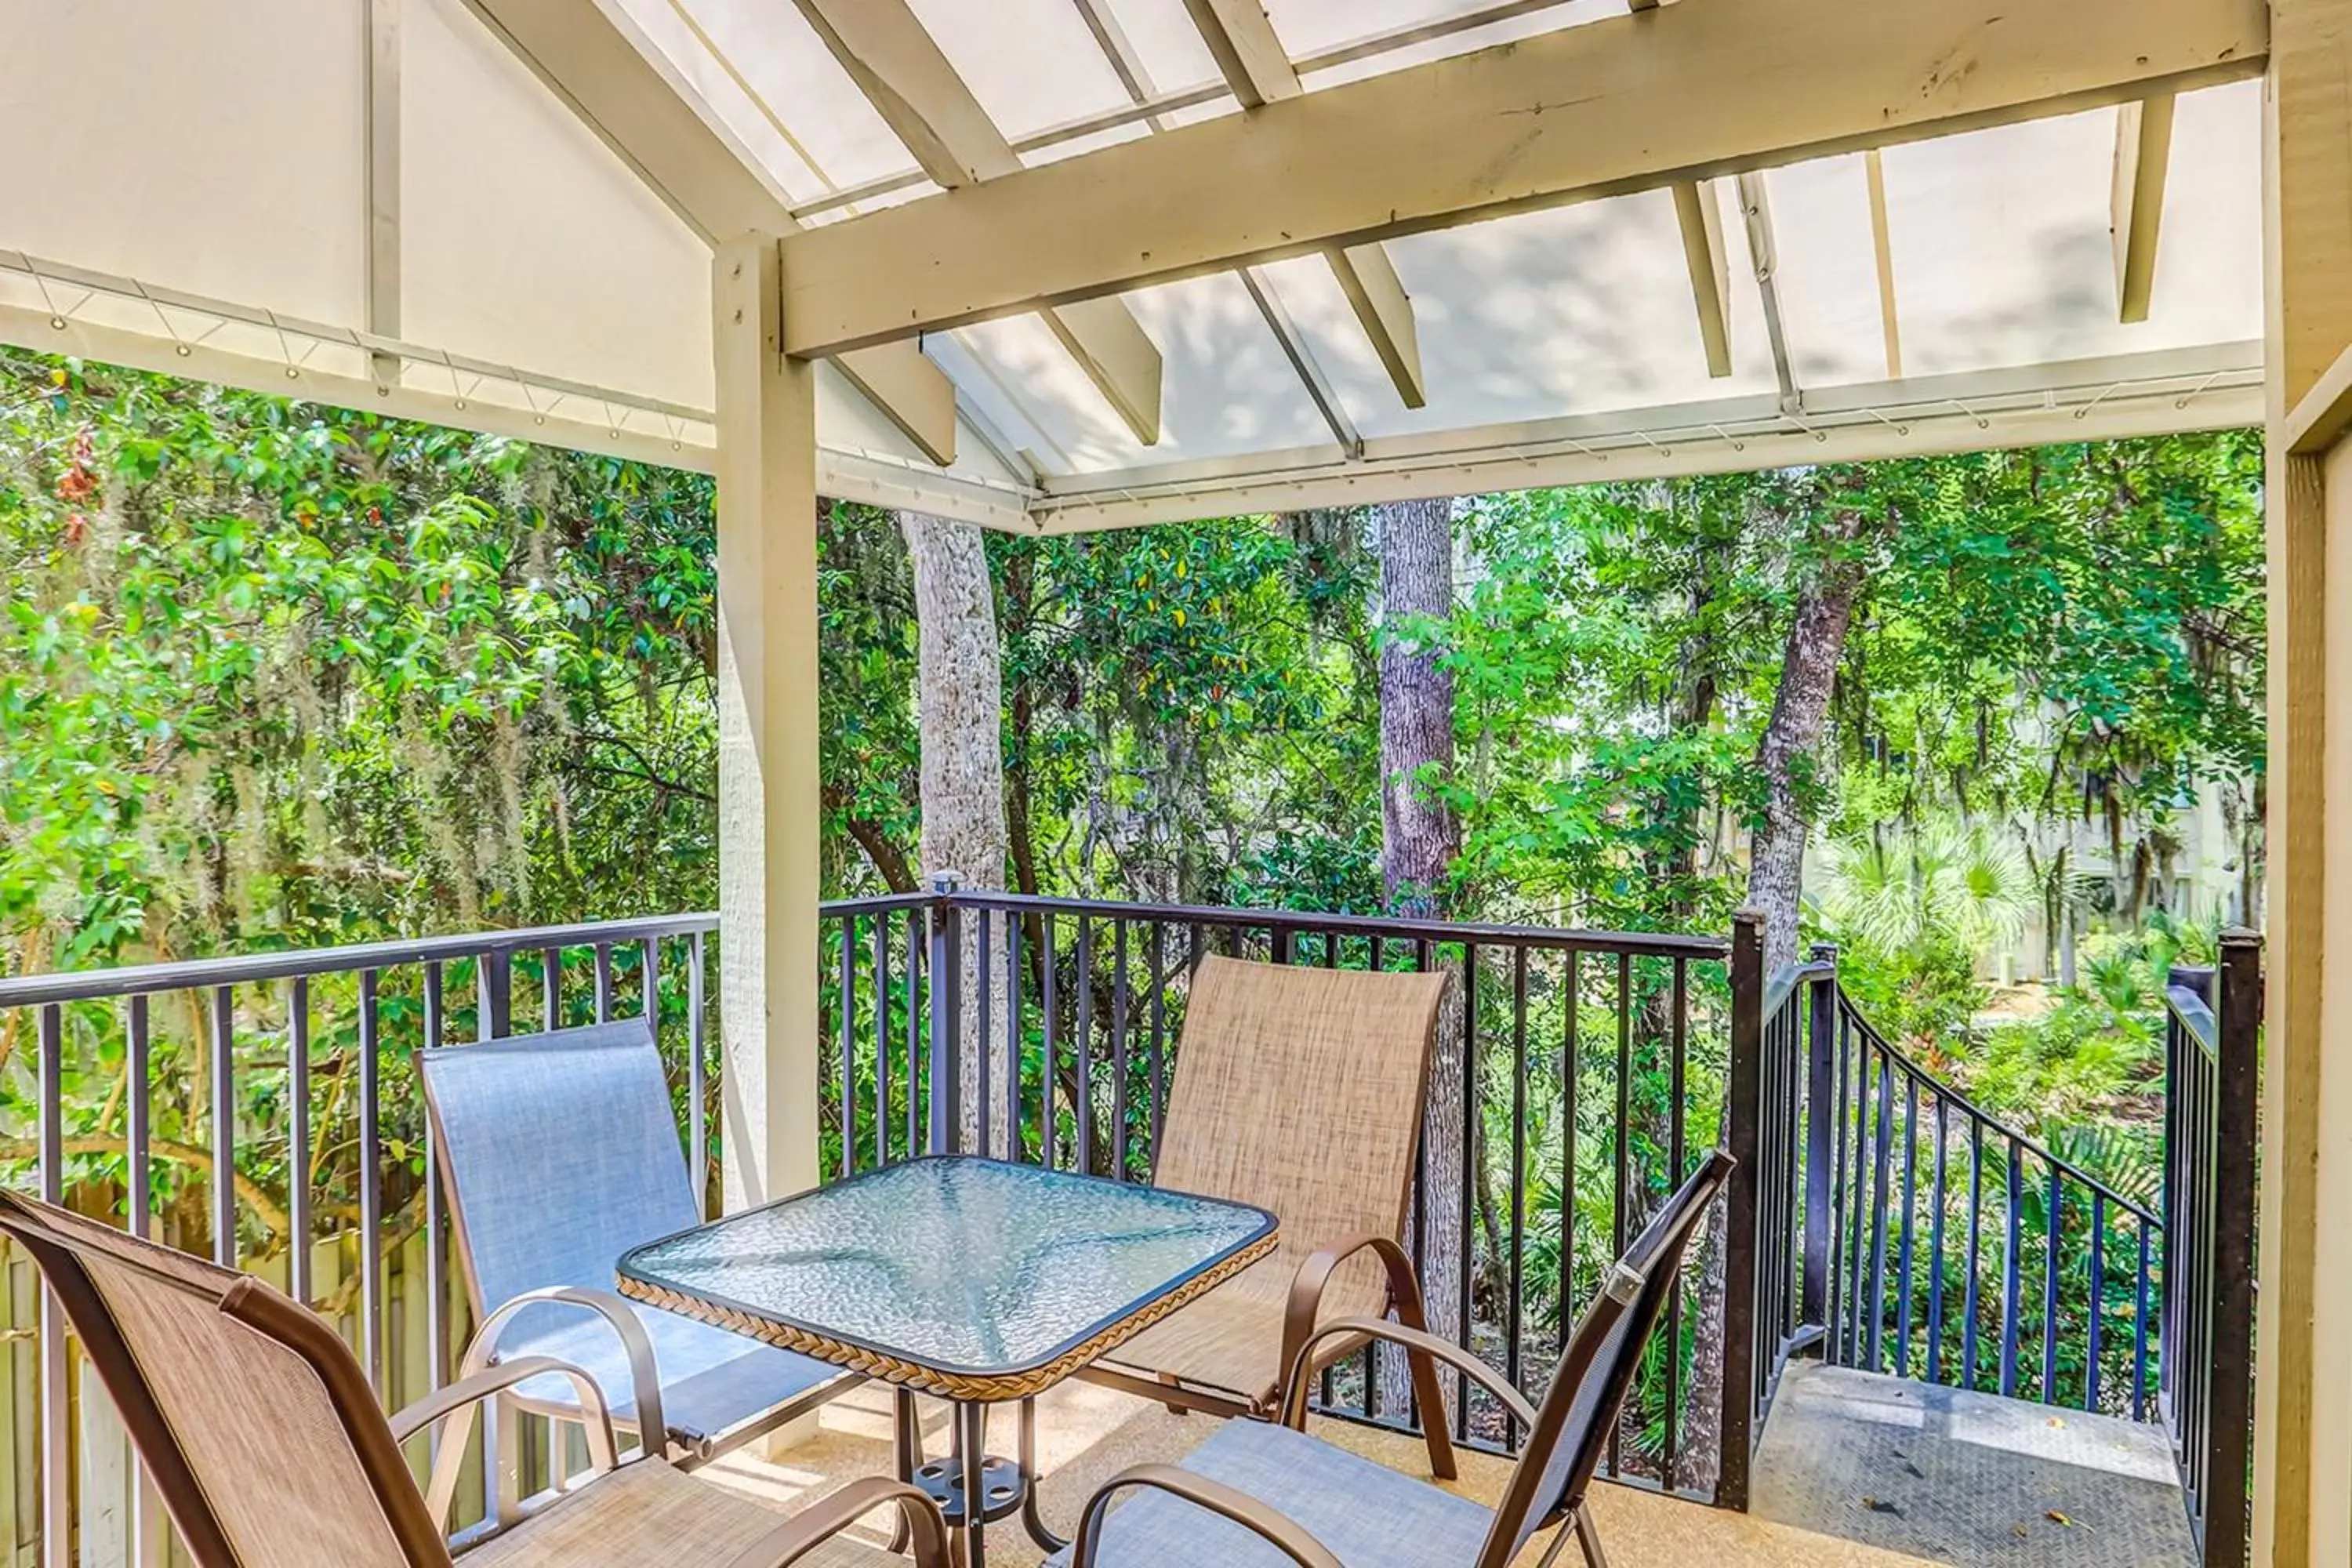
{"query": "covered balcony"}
pixel 996 268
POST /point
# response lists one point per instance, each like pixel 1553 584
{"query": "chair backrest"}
pixel 1596 1368
pixel 1300 1089
pixel 561 1152
pixel 255 1422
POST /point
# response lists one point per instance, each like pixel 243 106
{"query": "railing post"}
pixel 1742 1105
pixel 2238 1019
pixel 946 987
pixel 1820 1089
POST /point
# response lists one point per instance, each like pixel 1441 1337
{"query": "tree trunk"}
pixel 1791 748
pixel 1787 756
pixel 959 703
pixel 1420 840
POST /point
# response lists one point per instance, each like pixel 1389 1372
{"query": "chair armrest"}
pixel 468 1392
pixel 1284 1535
pixel 814 1526
pixel 1314 1276
pixel 1294 1399
pixel 645 1376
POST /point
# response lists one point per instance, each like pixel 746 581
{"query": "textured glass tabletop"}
pixel 966 1276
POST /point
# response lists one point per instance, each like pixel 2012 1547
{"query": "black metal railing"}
pixel 262 1110
pixel 1580 1076
pixel 2212 1019
pixel 1961 1252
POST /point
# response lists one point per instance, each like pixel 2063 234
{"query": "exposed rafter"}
pixel 1882 246
pixel 2143 160
pixel 914 87
pixel 1255 66
pixel 614 87
pixel 1688 91
pixel 1128 67
pixel 1699 214
pixel 1756 207
pixel 382 179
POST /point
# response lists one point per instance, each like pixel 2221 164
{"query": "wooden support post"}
pixel 767 732
pixel 2303 1421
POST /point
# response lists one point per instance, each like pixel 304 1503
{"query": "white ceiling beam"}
pixel 603 77
pixel 2155 392
pixel 1242 40
pixel 1882 246
pixel 1699 214
pixel 2143 161
pixel 912 83
pixel 1689 91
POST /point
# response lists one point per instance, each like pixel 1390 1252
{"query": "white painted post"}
pixel 767 732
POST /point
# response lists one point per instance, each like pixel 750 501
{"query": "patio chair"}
pixel 261 1433
pixel 1300 1091
pixel 561 1151
pixel 1261 1496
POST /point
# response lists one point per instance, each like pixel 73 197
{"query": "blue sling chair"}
pixel 561 1151
pixel 1257 1495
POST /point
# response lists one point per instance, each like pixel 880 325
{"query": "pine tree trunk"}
pixel 959 703
pixel 1420 840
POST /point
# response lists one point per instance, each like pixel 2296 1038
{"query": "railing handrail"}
pixel 1659 944
pixel 194 973
pixel 1789 976
pixel 2189 1005
pixel 2024 1142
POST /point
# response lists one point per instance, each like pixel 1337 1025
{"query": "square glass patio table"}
pixel 970 1279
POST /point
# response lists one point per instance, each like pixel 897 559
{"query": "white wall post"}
pixel 767 732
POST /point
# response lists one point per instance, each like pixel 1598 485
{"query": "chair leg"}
pixel 1430 1396
pixel 1588 1536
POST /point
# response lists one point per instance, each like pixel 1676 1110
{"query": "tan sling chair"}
pixel 258 1429
pixel 1300 1091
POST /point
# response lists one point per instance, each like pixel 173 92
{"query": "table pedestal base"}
pixel 1003 1486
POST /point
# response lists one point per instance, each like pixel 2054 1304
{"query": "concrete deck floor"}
pixel 1087 1435
pixel 1967 1478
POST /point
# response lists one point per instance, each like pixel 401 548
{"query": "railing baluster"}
pixel 1968 1305
pixel 915 979
pixel 1671 1456
pixel 845 1004
pixel 1159 1034
pixel 1513 1315
pixel 437 1248
pixel 1015 1032
pixel 1084 1105
pixel 1049 1133
pixel 1621 1201
pixel 1118 1050
pixel 983 1114
pixel 2049 1271
pixel 882 1040
pixel 2098 1297
pixel 550 988
pixel 1910 1205
pixel 223 1091
pixel 139 1203
pixel 2139 1330
pixel 1463 1386
pixel 697 1136
pixel 2011 1285
pixel 56 1375
pixel 370 1118
pixel 1570 1064
pixel 1935 1247
pixel 1882 1159
pixel 603 983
